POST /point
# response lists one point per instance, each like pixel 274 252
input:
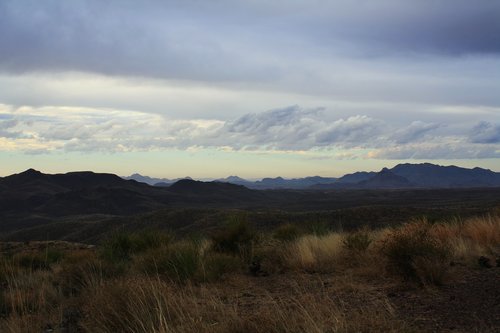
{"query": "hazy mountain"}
pixel 423 175
pixel 148 180
pixel 385 179
pixel 237 180
pixel 415 175
pixel 280 182
pixel 153 181
pixel 431 175
pixel 356 177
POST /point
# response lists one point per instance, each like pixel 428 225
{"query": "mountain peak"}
pixel 31 171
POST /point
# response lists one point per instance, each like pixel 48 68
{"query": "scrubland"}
pixel 234 279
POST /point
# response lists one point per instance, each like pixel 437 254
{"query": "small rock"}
pixel 255 268
pixel 484 262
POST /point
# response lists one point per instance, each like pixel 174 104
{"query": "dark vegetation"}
pixel 87 207
pixel 236 278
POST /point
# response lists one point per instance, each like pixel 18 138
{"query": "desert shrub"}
pixel 414 254
pixel 53 255
pixel 121 246
pixel 286 232
pixel 179 261
pixel 216 265
pixel 358 241
pixel 318 228
pixel 183 260
pixel 150 239
pixel 236 237
pixel 82 270
pixel 117 248
pixel 32 261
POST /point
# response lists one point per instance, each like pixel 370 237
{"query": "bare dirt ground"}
pixel 469 303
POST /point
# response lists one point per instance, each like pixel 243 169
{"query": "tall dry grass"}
pixel 29 299
pixel 471 238
pixel 156 306
pixel 314 253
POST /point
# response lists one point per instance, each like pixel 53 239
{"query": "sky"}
pixel 250 88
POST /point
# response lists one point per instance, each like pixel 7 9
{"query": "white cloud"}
pixel 290 129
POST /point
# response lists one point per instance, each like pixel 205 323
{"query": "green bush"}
pixel 238 237
pixel 121 246
pixel 184 260
pixel 415 255
pixel 286 232
pixel 318 228
pixel 179 261
pixel 358 241
pixel 32 261
pixel 83 270
pixel 53 255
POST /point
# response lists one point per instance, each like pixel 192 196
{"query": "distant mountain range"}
pixel 81 205
pixel 425 175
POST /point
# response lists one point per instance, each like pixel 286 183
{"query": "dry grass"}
pixel 156 306
pixel 29 299
pixel 314 253
pixel 471 238
pixel 142 292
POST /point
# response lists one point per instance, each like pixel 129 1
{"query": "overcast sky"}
pixel 253 88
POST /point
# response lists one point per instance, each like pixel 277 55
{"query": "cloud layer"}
pixel 233 40
pixel 290 129
pixel 395 79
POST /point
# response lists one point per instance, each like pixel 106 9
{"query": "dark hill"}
pixel 189 186
pixel 73 193
pixel 356 177
pixel 214 192
pixel 431 175
pixel 385 179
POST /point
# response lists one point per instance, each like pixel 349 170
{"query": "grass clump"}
pixel 216 265
pixel 121 246
pixel 178 261
pixel 319 228
pixel 286 232
pixel 358 241
pixel 237 237
pixel 413 253
pixel 313 253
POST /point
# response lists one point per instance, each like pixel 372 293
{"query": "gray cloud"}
pixel 444 27
pixel 231 40
pixel 6 128
pixel 413 132
pixel 485 132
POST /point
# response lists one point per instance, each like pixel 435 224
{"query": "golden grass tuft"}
pixel 315 253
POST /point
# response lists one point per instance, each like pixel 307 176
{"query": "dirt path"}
pixel 471 303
